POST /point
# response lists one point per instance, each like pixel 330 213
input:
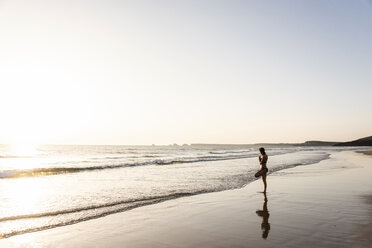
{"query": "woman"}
pixel 263 169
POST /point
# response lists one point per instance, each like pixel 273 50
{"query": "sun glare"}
pixel 23 149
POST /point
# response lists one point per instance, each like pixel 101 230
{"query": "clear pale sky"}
pixel 143 72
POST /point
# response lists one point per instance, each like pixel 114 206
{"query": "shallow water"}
pixel 49 186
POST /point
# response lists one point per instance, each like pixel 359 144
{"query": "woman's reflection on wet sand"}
pixel 264 213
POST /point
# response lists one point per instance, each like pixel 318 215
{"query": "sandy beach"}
pixel 328 204
pixel 145 123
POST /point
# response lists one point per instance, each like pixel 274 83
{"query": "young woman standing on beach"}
pixel 263 169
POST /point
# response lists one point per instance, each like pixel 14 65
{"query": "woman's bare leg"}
pixel 264 181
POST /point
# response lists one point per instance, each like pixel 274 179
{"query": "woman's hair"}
pixel 262 151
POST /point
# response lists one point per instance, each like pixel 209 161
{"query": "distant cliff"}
pixel 367 141
pixel 319 143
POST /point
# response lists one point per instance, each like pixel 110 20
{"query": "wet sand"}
pixel 366 152
pixel 328 204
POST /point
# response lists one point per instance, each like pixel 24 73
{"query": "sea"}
pixel 49 186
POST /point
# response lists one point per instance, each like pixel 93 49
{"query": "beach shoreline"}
pixel 368 152
pixel 327 204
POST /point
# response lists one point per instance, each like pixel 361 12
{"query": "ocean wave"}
pixel 72 168
pixel 306 162
pixel 57 170
pixel 16 156
pixel 64 170
pixel 229 152
pixel 111 204
pixel 64 217
pixel 106 209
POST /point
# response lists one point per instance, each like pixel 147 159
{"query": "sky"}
pixel 163 72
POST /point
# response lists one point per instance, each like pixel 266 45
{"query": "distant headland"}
pixel 366 141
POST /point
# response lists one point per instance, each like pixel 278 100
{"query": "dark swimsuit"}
pixel 263 162
pixel 263 169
